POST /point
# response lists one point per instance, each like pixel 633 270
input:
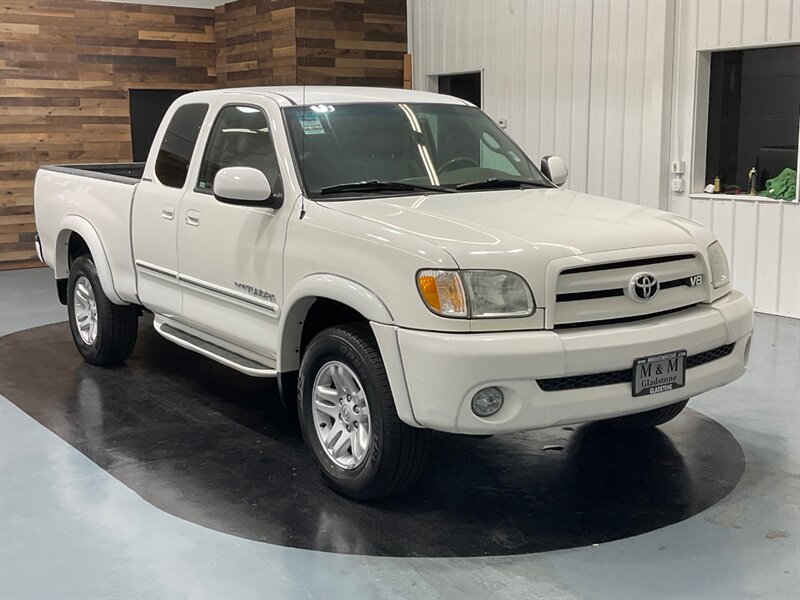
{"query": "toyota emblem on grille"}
pixel 643 287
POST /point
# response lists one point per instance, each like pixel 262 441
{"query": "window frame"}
pixel 702 91
pixel 194 147
pixel 207 141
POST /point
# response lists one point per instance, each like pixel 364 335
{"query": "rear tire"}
pixel 648 419
pixel 343 391
pixel 104 332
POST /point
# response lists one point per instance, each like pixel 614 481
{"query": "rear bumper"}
pixel 38 244
pixel 441 372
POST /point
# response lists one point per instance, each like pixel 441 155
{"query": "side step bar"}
pixel 214 352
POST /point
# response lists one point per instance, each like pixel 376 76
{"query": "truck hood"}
pixel 478 228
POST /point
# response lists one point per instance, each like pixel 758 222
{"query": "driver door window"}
pixel 240 138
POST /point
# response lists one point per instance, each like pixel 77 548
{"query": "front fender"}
pixel 303 295
pixel 359 298
pixel 79 225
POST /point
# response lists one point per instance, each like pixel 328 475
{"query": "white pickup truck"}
pixel 401 266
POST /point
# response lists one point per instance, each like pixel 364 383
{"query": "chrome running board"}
pixel 214 352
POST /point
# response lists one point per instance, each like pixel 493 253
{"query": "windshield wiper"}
pixel 378 185
pixel 494 183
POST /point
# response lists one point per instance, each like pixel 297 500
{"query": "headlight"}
pixel 475 294
pixel 720 273
pixel 497 294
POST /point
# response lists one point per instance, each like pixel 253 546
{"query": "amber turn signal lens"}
pixel 443 292
pixel 427 287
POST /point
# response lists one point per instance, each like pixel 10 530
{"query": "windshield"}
pixel 435 145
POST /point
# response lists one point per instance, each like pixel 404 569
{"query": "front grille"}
pixel 597 294
pixel 577 382
pixel 639 262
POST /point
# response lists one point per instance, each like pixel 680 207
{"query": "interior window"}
pixel 175 153
pixel 240 138
pixel 753 120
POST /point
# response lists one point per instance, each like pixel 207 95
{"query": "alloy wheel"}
pixel 341 415
pixel 85 310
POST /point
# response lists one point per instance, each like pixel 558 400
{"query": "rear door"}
pixel 230 256
pixel 154 218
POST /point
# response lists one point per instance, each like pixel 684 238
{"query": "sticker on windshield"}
pixel 311 124
pixel 513 155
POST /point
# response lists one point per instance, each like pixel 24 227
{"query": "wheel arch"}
pixel 358 302
pixel 334 291
pixel 73 226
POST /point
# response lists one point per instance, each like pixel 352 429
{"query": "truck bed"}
pixel 129 173
pixel 95 201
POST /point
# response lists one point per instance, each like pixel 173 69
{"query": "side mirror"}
pixel 555 169
pixel 243 185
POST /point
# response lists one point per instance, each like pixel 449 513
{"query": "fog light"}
pixel 487 402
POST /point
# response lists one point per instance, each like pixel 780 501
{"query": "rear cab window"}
pixel 175 153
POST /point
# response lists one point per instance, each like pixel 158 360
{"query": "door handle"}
pixel 168 212
pixel 193 217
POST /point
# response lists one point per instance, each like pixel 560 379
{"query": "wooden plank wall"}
pixel 312 42
pixel 351 42
pixel 65 70
pixel 66 67
pixel 256 43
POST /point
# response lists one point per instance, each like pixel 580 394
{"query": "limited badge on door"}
pixel 660 373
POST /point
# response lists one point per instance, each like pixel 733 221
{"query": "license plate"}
pixel 660 373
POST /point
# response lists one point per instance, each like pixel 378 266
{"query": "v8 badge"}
pixel 695 280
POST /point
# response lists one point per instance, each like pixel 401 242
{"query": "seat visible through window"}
pixel 240 138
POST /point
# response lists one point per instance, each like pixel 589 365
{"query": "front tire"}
pixel 104 332
pixel 648 419
pixel 348 417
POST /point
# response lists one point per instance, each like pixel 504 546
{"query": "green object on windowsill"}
pixel 783 186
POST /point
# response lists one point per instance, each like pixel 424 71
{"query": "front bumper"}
pixel 435 375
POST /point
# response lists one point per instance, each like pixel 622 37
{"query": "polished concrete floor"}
pixel 70 528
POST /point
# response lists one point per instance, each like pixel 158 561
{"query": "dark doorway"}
pixel 148 107
pixel 466 86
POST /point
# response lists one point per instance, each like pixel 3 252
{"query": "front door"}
pixel 230 256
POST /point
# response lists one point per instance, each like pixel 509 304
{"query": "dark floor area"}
pixel 215 447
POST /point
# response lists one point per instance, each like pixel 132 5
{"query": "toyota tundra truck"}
pixel 399 264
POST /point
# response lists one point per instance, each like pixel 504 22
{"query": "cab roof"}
pixel 299 95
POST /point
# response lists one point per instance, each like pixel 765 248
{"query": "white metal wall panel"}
pixel 722 222
pixel 745 241
pixel 789 288
pixel 768 252
pixel 761 237
pixel 631 48
pixel 582 79
pixel 536 61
